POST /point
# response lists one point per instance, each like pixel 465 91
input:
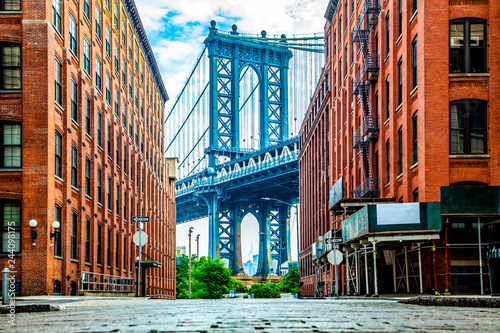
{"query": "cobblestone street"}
pixel 244 315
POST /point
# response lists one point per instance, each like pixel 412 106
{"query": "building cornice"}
pixel 146 47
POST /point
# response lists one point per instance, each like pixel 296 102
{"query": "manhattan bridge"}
pixel 234 127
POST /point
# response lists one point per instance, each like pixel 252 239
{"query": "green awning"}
pixel 392 218
pixel 470 200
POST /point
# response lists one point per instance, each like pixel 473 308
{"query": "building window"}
pixel 98 73
pixel 58 82
pixel 387 100
pixel 400 17
pixel 115 14
pixel 108 250
pixel 109 140
pixel 124 114
pixel 117 251
pixel 99 130
pixel 56 14
pixel 86 55
pixel 124 73
pixel 117 151
pixel 400 81
pixel 108 41
pixel 130 46
pixel 415 195
pixel 11 145
pixel 414 67
pixel 467 46
pixel 98 22
pixel 57 239
pixel 6 5
pixel 109 193
pixel 124 30
pixel 87 176
pixel 99 242
pixel 125 257
pixel 74 167
pixel 117 58
pixel 99 186
pixel 87 115
pixel 400 150
pixel 74 101
pixel 414 125
pixel 117 199
pixel 125 205
pixel 468 127
pixel 87 240
pixel 10 66
pixel 414 6
pixel 58 153
pixel 108 89
pixel 86 8
pixel 387 35
pixel 11 225
pixel 388 161
pixel 72 34
pixel 74 236
pixel 117 102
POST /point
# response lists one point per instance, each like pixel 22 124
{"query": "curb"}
pixel 476 302
pixel 30 308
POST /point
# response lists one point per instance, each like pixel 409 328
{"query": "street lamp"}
pixel 34 235
pixel 198 247
pixel 55 226
pixel 297 214
pixel 189 234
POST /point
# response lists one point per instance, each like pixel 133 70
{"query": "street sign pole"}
pixel 139 274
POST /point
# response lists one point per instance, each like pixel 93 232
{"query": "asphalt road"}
pixel 251 315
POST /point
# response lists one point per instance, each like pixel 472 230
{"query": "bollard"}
pixel 5 286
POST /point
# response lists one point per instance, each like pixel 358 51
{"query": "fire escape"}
pixel 367 73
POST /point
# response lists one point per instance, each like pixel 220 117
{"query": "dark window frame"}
pixel 74 236
pixel 57 238
pixel 58 154
pixel 414 121
pixel 87 240
pixel 466 59
pixel 6 71
pixel 58 82
pixel 468 130
pixel 414 71
pixel 7 228
pixel 15 152
pixel 400 81
pixel 56 15
pixel 10 6
pixel 87 177
pixel 74 167
pixel 388 161
pixel 400 150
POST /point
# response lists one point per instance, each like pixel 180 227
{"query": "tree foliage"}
pixel 290 282
pixel 267 290
pixel 209 279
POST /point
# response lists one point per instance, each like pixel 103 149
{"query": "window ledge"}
pixel 414 15
pixel 11 12
pixel 59 179
pixel 13 91
pixel 414 166
pixel 399 107
pixel 414 91
pixel 75 260
pixel 87 264
pixel 386 57
pixel 75 189
pixel 399 176
pixel 11 170
pixel 462 75
pixel 386 121
pixel 399 39
pixel 469 156
pixel 58 257
pixel 99 265
pixel 387 185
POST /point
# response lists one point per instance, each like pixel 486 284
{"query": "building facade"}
pixel 82 113
pixel 409 118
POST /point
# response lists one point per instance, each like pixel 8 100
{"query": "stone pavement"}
pixel 248 315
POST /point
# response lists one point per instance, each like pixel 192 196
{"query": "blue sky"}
pixel 176 30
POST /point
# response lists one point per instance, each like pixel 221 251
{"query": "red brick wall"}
pixel 40 190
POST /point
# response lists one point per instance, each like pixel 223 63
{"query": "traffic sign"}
pixel 336 240
pixel 140 238
pixel 335 257
pixel 140 219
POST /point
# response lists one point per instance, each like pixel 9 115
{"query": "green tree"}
pixel 182 276
pixel 290 283
pixel 212 279
pixel 268 290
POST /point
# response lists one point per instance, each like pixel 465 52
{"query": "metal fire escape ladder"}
pixel 367 73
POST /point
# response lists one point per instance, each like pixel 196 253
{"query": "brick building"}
pixel 82 113
pixel 400 149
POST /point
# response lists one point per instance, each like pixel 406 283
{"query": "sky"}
pixel 176 30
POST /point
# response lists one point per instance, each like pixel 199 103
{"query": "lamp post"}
pixel 198 247
pixel 189 234
pixel 297 215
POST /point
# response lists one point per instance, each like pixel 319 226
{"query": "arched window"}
pixel 468 127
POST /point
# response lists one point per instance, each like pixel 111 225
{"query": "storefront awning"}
pixel 470 200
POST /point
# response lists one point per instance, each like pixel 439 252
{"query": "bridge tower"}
pixel 229 55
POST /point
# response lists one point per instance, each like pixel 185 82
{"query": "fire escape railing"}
pixel 367 73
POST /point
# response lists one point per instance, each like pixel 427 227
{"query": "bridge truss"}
pixel 234 128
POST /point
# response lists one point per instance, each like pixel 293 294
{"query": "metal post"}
pixel 5 286
pixel 480 254
pixel 420 268
pixel 198 247
pixel 375 280
pixel 356 258
pixel 139 266
pixel 434 264
pixel 366 272
pixel 347 273
pixel 446 257
pixel 190 232
pixel 335 257
pixel 406 267
pixel 394 273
